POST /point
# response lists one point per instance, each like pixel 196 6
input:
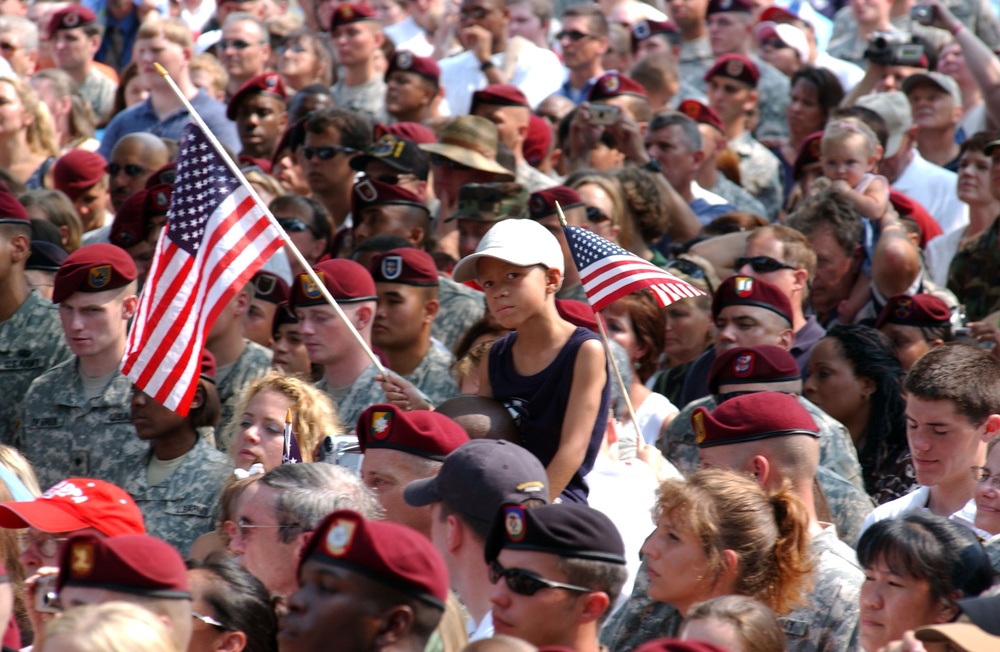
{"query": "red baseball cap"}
pixel 74 504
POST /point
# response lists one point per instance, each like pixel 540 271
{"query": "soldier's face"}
pixel 403 316
pixel 260 120
pixel 151 418
pixel 406 92
pixel 325 335
pixel 257 321
pixel 387 472
pixel 95 322
pixel 290 355
pixel 750 326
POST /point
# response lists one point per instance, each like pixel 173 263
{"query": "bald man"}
pixel 133 160
pixel 481 417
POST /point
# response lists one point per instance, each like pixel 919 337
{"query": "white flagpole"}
pixel 639 443
pixel 235 169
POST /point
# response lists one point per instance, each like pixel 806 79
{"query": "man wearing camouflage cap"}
pixel 401 447
pixel 406 282
pixel 502 473
pixel 76 413
pixel 480 206
pixel 391 588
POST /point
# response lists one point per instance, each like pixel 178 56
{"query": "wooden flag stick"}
pixel 235 169
pixel 639 442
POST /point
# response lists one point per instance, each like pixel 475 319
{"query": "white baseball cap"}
pixel 790 35
pixel 519 242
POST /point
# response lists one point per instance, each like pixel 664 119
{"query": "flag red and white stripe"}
pixel 609 272
pixel 215 240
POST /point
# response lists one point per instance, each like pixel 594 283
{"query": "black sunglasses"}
pixel 692 269
pixel 325 153
pixel 236 44
pixel 573 35
pixel 131 169
pixel 294 225
pixel 524 582
pixel 596 215
pixel 761 264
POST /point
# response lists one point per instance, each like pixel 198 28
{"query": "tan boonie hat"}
pixel 472 141
pixel 491 202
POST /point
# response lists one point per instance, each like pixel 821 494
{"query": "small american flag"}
pixel 291 453
pixel 215 239
pixel 609 272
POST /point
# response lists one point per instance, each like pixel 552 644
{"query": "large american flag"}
pixel 215 239
pixel 609 272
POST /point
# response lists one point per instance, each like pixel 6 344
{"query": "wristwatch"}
pixel 652 165
pixel 486 65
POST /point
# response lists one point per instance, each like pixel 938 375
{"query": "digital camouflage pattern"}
pixel 363 392
pixel 461 307
pixel 254 362
pixel 433 376
pixel 737 196
pixel 760 172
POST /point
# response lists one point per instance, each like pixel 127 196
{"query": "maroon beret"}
pixel 750 417
pixel 645 29
pixel 764 368
pixel 78 170
pixel 499 95
pixel 131 223
pixel 372 192
pixel 267 84
pixel 164 176
pixel 735 66
pixel 920 310
pixel 283 315
pixel 391 554
pixel 578 313
pixel 749 291
pixel 352 12
pixel 406 61
pixel 71 17
pixel 677 645
pixel 270 287
pixel 421 433
pixel 721 6
pixel 810 151
pixel 614 84
pixel 208 366
pixel 538 141
pixel 122 563
pixel 93 268
pixel 542 203
pixel 247 162
pixel 346 280
pixel 11 210
pixel 702 114
pixel 418 133
pixel 406 265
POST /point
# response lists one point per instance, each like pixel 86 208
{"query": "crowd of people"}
pixel 800 454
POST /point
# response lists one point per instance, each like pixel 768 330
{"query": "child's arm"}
pixel 872 203
pixel 589 377
pixel 860 295
pixel 485 389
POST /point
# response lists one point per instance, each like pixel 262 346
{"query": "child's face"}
pixel 944 444
pixel 847 159
pixel 513 293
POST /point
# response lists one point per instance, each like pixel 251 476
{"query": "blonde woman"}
pixel 257 434
pixel 607 212
pixel 27 139
pixel 109 627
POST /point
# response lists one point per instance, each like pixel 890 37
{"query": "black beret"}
pixel 565 529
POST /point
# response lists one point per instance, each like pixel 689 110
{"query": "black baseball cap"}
pixel 501 472
pixel 399 153
pixel 572 530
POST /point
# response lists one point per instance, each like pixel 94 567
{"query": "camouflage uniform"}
pixel 31 342
pixel 973 272
pixel 842 503
pixel 773 91
pixel 760 171
pixel 687 91
pixel 827 625
pixel 367 99
pixel 461 307
pixel 64 434
pixel 186 504
pixel 695 59
pixel 992 546
pixel 433 376
pixel 737 196
pixel 532 178
pixel 364 391
pixel 254 362
pixel 575 293
pixel 847 43
pixel 836 449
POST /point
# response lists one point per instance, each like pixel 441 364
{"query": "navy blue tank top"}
pixel 538 404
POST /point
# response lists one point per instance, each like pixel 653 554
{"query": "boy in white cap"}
pixel 551 375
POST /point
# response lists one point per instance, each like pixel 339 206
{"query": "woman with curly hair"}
pixel 27 139
pixel 257 435
pixel 856 378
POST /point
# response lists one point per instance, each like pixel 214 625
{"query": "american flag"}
pixel 215 239
pixel 609 272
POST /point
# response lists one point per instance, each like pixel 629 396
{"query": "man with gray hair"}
pixel 284 508
pixel 244 49
pixel 674 145
pixel 19 44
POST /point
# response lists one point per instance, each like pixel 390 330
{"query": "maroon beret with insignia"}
pixel 920 310
pixel 542 203
pixel 702 114
pixel 722 6
pixel 267 84
pixel 614 84
pixel 735 66
pixel 351 12
pixel 11 210
pixel 78 170
pixel 407 265
pixel 751 417
pixel 499 95
pixel 421 433
pixel 346 280
pixel 749 291
pixel 418 133
pixel 164 176
pixel 122 564
pixel 371 192
pixel 270 287
pixel 763 368
pixel 93 268
pixel 645 29
pixel 406 61
pixel 71 17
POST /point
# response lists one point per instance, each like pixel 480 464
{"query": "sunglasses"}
pixel 524 582
pixel 761 264
pixel 131 169
pixel 774 43
pixel 294 225
pixel 236 44
pixel 573 35
pixel 596 215
pixel 688 268
pixel 325 153
pixel 441 161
